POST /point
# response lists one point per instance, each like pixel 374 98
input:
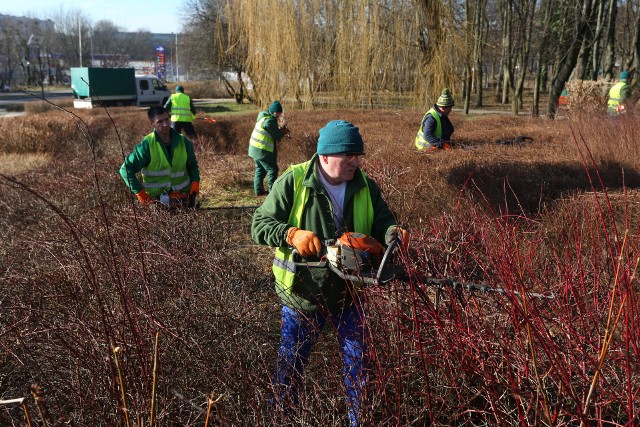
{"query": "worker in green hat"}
pixel 436 128
pixel 618 94
pixel 263 146
pixel 321 199
pixel 182 111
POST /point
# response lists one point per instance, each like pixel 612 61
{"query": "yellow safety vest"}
pixel 284 267
pixel 260 138
pixel 615 97
pixel 160 176
pixel 181 108
pixel 421 142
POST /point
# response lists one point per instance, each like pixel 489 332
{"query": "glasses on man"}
pixel 350 156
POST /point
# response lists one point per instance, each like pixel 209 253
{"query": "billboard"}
pixel 161 70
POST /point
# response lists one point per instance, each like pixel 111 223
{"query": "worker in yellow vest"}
pixel 182 111
pixel 167 163
pixel 311 202
pixel 263 146
pixel 618 94
pixel 436 128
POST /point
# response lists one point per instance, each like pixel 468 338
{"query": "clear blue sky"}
pixel 158 16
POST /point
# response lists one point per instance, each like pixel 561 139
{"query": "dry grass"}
pixel 83 269
pixel 13 164
pixel 37 107
pixel 210 89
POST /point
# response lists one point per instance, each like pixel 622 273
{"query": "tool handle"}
pixel 317 264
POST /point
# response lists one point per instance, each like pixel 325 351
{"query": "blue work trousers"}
pixel 300 331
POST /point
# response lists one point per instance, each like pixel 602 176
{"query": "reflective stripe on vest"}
pixel 181 108
pixel 615 96
pixel 260 138
pixel 422 143
pixel 160 176
pixel 284 268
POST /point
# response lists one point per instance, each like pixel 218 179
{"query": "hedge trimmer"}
pixel 361 259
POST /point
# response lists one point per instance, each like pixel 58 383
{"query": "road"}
pixel 11 102
pixel 13 98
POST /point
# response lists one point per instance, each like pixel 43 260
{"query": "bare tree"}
pixel 109 45
pixel 72 37
pixel 9 50
pixel 215 47
pixel 476 33
pixel 581 13
pixel 525 12
pixel 506 8
pixel 542 59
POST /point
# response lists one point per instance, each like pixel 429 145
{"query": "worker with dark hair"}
pixel 182 111
pixel 311 202
pixel 166 161
pixel 436 128
pixel 263 146
pixel 618 94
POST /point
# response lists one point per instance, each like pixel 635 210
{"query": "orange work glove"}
pixel 195 188
pixel 395 232
pixel 446 146
pixel 306 242
pixel 144 198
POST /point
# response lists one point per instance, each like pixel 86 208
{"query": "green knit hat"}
pixel 179 89
pixel 275 107
pixel 340 137
pixel 445 100
pixel 624 76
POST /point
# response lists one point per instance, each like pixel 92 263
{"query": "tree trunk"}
pixel 479 35
pixel 567 66
pixel 636 57
pixel 526 25
pixel 596 50
pixel 609 56
pixel 507 78
pixel 541 71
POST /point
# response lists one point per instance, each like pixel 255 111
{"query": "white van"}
pixel 151 91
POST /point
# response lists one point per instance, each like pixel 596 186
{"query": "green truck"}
pixel 94 87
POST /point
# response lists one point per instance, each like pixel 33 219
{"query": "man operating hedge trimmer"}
pixel 312 202
pixel 167 163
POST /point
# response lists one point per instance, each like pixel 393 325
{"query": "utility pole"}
pixel 177 67
pixel 80 39
pixel 35 42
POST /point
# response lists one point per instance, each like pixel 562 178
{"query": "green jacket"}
pixel 270 125
pixel 316 287
pixel 140 158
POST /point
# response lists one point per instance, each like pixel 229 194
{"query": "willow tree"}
pixel 441 45
pixel 282 48
pixel 355 50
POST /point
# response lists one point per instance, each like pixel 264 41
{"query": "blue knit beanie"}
pixel 340 137
pixel 179 89
pixel 624 75
pixel 275 107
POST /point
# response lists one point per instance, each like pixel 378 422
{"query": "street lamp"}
pixel 177 67
pixel 80 39
pixel 34 41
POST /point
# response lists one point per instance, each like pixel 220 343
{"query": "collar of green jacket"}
pixel 266 114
